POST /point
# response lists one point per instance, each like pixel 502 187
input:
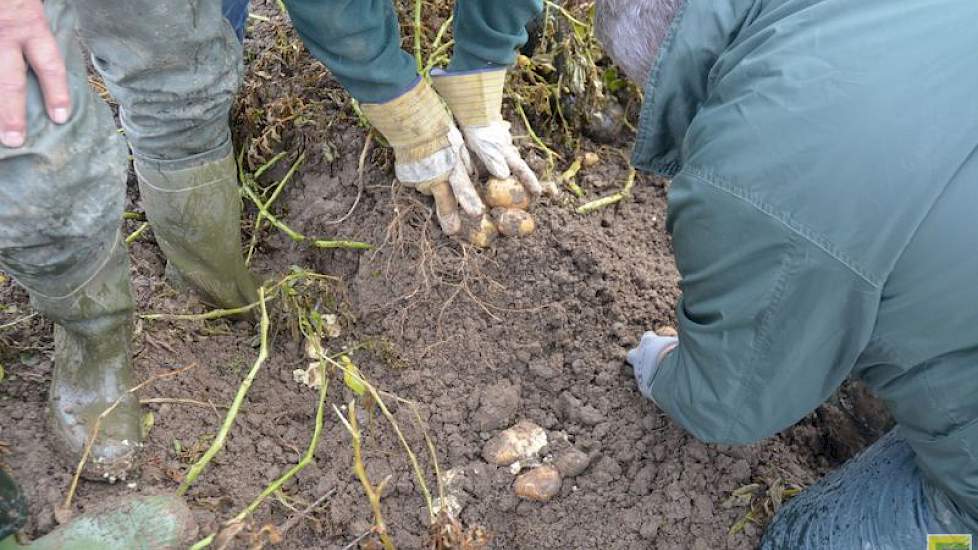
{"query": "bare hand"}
pixel 26 41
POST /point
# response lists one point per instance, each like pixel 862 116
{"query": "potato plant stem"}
pixel 378 399
pixel 295 235
pixel 551 154
pixel 306 458
pixel 277 484
pixel 568 178
pixel 373 493
pixel 610 199
pixel 137 233
pixel 418 56
pixel 256 230
pixel 198 467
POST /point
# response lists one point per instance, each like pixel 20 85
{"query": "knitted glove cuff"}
pixel 475 97
pixel 416 123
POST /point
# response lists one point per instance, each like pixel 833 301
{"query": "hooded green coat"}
pixel 824 156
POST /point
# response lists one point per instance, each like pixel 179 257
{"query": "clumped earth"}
pixel 529 330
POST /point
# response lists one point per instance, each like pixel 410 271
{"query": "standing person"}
pixel 824 162
pixel 359 41
pixel 173 67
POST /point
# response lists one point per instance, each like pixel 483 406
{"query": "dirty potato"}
pixel 507 193
pixel 482 234
pixel 513 222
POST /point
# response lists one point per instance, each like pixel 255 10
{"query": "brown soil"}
pixel 533 329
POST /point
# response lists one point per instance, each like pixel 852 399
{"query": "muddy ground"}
pixel 535 329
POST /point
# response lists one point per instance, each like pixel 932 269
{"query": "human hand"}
pixel 646 358
pixel 430 156
pixel 493 146
pixel 475 98
pixel 445 176
pixel 26 42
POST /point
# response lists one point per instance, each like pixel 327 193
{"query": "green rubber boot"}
pixel 135 523
pixel 196 217
pixel 93 368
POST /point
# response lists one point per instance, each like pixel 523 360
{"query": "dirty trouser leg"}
pixel 174 66
pixel 878 501
pixel 62 193
pixel 61 201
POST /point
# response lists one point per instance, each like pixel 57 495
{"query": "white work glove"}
pixel 476 99
pixel 646 358
pixel 493 146
pixel 445 175
pixel 429 151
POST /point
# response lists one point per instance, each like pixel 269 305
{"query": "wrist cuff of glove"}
pixel 416 123
pixel 475 97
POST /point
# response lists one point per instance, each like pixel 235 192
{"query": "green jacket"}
pixel 360 41
pixel 824 156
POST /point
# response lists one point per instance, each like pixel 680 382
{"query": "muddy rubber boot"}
pixel 196 217
pixel 153 522
pixel 93 369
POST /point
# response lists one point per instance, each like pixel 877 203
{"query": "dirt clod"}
pixel 498 405
pixel 572 462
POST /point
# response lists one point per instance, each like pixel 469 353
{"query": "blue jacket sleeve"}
pixel 770 323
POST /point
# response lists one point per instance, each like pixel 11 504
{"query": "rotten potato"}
pixel 507 193
pixel 513 222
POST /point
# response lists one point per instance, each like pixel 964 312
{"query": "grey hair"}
pixel 631 31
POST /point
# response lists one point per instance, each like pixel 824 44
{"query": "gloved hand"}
pixel 25 35
pixel 476 98
pixel 645 359
pixel 429 151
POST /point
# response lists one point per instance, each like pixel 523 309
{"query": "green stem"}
pixel 306 458
pixel 295 235
pixel 437 56
pixel 198 467
pixel 417 35
pixel 551 154
pixel 303 462
pixel 568 178
pixel 278 190
pixel 598 204
pixel 137 233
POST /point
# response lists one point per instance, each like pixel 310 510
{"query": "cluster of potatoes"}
pixel 509 202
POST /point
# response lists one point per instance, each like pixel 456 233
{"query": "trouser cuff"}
pixel 148 163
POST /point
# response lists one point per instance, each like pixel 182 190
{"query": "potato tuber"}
pixel 507 193
pixel 513 222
